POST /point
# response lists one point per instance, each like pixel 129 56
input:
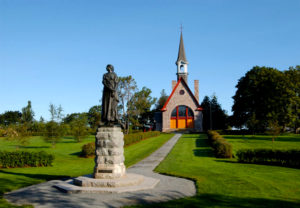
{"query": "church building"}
pixel 182 109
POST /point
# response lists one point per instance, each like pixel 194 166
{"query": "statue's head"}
pixel 110 68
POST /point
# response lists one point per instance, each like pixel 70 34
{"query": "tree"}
pixel 162 100
pixel 56 112
pixel 293 80
pixel 139 107
pixel 267 93
pixel 18 133
pixel 126 89
pixel 27 113
pixel 73 116
pixel 253 124
pixel 274 130
pixel 10 117
pixel 94 116
pixel 214 117
pixel 53 133
pixel 54 129
pixel 79 127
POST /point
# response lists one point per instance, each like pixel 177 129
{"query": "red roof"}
pixel 199 108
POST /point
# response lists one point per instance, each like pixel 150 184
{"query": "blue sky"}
pixel 55 51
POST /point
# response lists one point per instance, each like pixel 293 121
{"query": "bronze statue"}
pixel 110 99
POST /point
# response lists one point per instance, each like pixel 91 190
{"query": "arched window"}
pixel 182 117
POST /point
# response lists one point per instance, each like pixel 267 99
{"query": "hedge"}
pixel 287 158
pixel 88 149
pixel 25 159
pixel 221 148
pixel 136 137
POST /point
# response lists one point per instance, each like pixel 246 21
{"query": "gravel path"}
pixel 45 196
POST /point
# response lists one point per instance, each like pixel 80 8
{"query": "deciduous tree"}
pixel 126 89
pixel 269 94
pixel 139 107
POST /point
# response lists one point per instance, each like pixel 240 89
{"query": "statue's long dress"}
pixel 109 98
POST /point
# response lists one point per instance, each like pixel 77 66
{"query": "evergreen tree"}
pixel 162 100
pixel 27 113
pixel 214 117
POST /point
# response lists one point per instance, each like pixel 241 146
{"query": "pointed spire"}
pixel 181 53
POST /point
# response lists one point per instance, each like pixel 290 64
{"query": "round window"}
pixel 181 92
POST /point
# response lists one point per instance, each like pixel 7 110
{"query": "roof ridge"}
pixel 193 96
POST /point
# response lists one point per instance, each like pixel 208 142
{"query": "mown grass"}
pixel 226 183
pixel 284 142
pixel 67 163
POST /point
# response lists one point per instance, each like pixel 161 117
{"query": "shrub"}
pixel 287 158
pixel 88 149
pixel 25 159
pixel 2 132
pixel 221 148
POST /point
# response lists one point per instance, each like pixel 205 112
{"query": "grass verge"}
pixel 226 183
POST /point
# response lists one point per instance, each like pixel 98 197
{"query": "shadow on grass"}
pixel 34 147
pixel 203 150
pixel 76 154
pixel 227 161
pixel 214 200
pixel 37 176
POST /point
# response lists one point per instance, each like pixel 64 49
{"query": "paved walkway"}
pixel 45 196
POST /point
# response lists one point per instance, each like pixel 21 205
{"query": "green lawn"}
pixel 67 163
pixel 258 141
pixel 226 183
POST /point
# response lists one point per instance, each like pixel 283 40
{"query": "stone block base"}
pixel 118 185
pixel 127 180
pixel 109 171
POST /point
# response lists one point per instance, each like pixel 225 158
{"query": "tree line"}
pixel 266 99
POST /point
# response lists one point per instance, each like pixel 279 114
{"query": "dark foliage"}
pixel 10 117
pixel 88 150
pixel 25 159
pixel 287 158
pixel 214 117
pixel 267 95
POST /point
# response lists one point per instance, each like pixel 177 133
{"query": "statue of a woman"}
pixel 109 114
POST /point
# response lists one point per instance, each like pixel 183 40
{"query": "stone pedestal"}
pixel 109 160
pixel 109 173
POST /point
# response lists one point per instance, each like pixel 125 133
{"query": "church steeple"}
pixel 182 61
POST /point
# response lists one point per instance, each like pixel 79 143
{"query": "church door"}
pixel 182 117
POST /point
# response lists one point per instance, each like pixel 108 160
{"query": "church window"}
pixel 181 92
pixel 182 117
